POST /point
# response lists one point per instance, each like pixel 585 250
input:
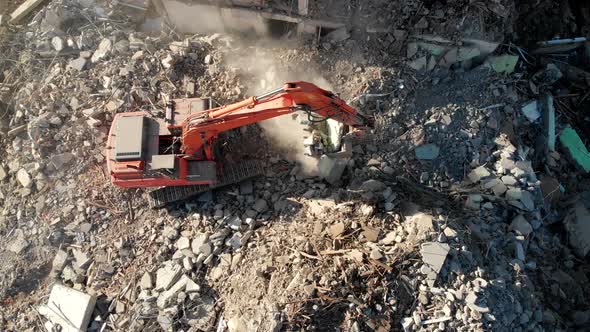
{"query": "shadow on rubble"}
pixel 28 282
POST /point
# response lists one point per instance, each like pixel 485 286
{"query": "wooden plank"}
pixel 23 10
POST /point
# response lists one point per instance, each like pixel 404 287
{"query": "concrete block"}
pixel 331 169
pixel 68 308
pixel 575 147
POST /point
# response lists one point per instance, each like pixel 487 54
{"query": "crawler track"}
pixel 229 175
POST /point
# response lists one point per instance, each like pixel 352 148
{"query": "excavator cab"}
pixel 146 150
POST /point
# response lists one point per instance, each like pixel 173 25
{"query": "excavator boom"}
pixel 201 129
pixel 146 151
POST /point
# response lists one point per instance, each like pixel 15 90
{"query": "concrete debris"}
pixel 331 169
pixel 166 296
pixel 78 64
pixel 67 309
pixel 427 152
pixel 18 243
pixel 3 174
pixel 503 64
pixel 58 263
pixel 146 281
pixel 104 49
pixel 260 206
pixel 167 275
pixel 434 255
pixel 521 225
pixel 572 143
pixel 372 185
pixel 531 111
pixel 24 178
pixel 478 174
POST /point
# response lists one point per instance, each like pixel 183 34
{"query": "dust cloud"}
pixel 286 132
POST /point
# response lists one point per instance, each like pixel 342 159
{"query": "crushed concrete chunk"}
pixel 24 178
pixel 18 243
pixel 434 255
pixel 503 64
pixel 427 152
pixel 167 296
pixel 331 169
pixel 183 243
pixel 521 225
pixel 478 174
pixel 372 185
pixel 337 229
pixel 260 205
pixel 104 49
pixel 531 111
pixel 167 275
pixel 3 173
pixel 146 281
pixel 68 308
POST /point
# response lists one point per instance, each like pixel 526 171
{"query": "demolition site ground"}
pixel 466 207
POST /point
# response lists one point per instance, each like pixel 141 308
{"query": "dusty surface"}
pixel 293 252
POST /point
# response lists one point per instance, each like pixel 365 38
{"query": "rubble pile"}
pixel 465 208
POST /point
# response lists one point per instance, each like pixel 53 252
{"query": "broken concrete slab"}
pixel 167 275
pixel 23 10
pixel 576 149
pixel 434 255
pixel 427 152
pixel 167 296
pixel 60 160
pixel 478 174
pixel 24 178
pixel 81 259
pixel 58 263
pixel 331 168
pixel 521 225
pixel 68 309
pixel 503 64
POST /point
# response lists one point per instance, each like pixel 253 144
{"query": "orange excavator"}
pixel 178 153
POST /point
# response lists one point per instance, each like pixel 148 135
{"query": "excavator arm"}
pixel 200 130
